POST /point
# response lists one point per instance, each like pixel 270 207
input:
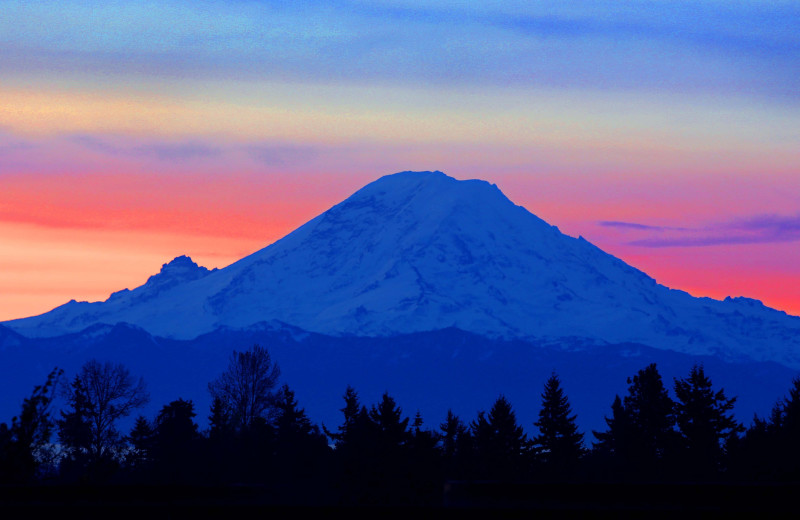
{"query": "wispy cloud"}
pixel 757 229
pixel 280 154
pixel 637 226
pixel 168 151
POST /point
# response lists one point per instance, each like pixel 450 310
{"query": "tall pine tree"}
pixel 705 422
pixel 500 443
pixel 641 437
pixel 559 443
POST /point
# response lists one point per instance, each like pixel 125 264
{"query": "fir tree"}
pixel 24 446
pixel 456 445
pixel 220 423
pixel 616 441
pixel 451 429
pixel 782 432
pixel 175 424
pixel 652 413
pixel 392 429
pixel 500 442
pixel 292 423
pixel 641 437
pixel 423 441
pixel 356 418
pixel 141 441
pixel 176 443
pixel 74 428
pixel 559 443
pixel 704 421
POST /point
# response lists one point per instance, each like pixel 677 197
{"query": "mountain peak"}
pixel 433 180
pixel 426 198
pixel 422 251
pixel 180 269
pixel 181 264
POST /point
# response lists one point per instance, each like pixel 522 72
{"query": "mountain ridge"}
pixel 421 251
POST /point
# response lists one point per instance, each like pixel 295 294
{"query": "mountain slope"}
pixel 421 251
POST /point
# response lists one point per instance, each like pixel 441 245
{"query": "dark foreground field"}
pixel 492 499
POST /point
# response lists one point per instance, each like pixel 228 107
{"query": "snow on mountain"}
pixel 421 251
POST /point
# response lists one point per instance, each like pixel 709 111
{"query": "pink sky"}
pixel 84 236
pixel 133 133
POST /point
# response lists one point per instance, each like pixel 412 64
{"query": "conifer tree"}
pixel 452 430
pixel 74 428
pixel 783 432
pixel 220 422
pixel 291 421
pixel 704 421
pixel 300 448
pixel 559 443
pixel 391 428
pixel 24 445
pixel 356 419
pixel 652 412
pixel 141 441
pixel 616 440
pixel 641 437
pixel 456 445
pixel 423 441
pixel 500 442
pixel 175 426
pixel 176 443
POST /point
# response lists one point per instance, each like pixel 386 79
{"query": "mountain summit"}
pixel 421 251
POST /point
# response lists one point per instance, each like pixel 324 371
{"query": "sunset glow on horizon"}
pixel 132 133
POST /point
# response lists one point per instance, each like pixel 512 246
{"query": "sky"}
pixel 665 132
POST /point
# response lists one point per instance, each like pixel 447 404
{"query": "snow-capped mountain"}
pixel 421 251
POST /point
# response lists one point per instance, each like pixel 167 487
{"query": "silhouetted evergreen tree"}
pixel 141 443
pixel 451 428
pixel 616 440
pixel 423 466
pixel 295 433
pixel 24 446
pixel 176 443
pixel 500 443
pixel 354 427
pixel 353 455
pixel 220 423
pixel 291 420
pixel 705 424
pixel 255 452
pixel 75 432
pixel 456 445
pixel 423 440
pixel 787 426
pixel 222 448
pixel 771 445
pixel 559 443
pixel 392 429
pixel 753 456
pixel 373 452
pixel 641 437
pixel 301 450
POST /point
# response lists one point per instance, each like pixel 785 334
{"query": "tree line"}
pixel 259 435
